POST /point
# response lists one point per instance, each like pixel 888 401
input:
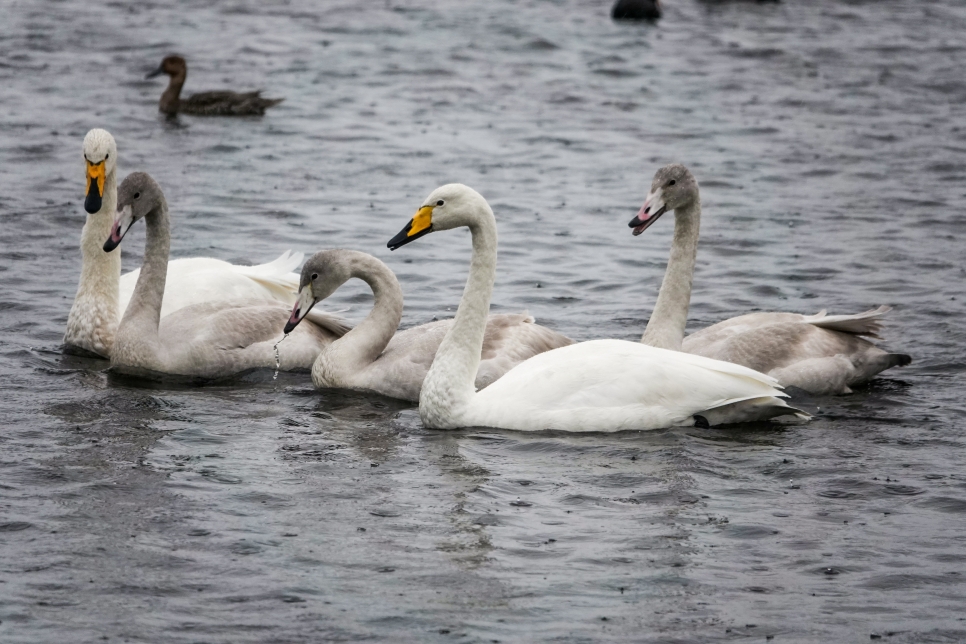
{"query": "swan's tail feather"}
pixel 277 276
pixel 868 323
pixel 329 322
pixel 743 411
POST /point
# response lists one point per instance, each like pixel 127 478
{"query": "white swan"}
pixel 818 353
pixel 211 340
pixel 103 293
pixel 373 357
pixel 601 385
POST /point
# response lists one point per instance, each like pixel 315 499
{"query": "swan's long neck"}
pixel 449 385
pixel 665 329
pixel 144 311
pixel 366 341
pixel 172 95
pixel 94 315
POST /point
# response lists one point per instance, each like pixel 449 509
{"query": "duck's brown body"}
pixel 224 103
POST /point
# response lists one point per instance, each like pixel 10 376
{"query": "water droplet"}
pixel 278 362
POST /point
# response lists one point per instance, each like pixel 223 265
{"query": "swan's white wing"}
pixel 198 280
pixel 610 385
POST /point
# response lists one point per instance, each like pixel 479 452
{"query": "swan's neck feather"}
pixel 665 329
pixel 345 358
pixel 137 342
pixel 93 317
pixel 449 386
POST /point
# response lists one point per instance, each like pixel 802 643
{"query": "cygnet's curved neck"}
pixel 144 311
pixel 94 314
pixel 366 341
pixel 171 97
pixel 449 385
pixel 665 329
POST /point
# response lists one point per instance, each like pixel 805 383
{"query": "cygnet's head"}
pixel 171 65
pixel 322 275
pixel 137 196
pixel 449 206
pixel 100 157
pixel 673 187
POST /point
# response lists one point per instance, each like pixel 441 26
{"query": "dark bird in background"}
pixel 636 10
pixel 206 103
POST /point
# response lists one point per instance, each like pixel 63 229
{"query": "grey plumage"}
pixel 375 357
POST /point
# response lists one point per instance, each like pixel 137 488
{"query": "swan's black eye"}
pixel 107 156
pixel 439 203
pixel 137 195
pixel 671 182
pixel 315 276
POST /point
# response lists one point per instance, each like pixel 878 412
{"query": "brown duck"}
pixel 223 103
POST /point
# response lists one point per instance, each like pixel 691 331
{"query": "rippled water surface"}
pixel 828 138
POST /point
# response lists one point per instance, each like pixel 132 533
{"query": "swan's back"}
pixel 509 339
pixel 198 280
pixel 818 353
pixel 215 340
pixel 612 385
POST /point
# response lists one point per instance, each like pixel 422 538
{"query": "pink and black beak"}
pixel 302 306
pixel 122 223
pixel 650 212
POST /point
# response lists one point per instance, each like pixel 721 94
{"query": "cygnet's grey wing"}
pixel 510 339
pixel 400 369
pixel 215 340
pixel 705 339
pixel 798 352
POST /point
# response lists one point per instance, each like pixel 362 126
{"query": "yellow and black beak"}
pixel 95 186
pixel 421 224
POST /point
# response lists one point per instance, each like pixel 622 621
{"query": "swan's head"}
pixel 449 206
pixel 322 275
pixel 100 157
pixel 137 196
pixel 171 65
pixel 673 187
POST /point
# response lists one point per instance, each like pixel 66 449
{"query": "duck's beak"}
pixel 122 223
pixel 95 186
pixel 301 308
pixel 157 72
pixel 650 212
pixel 421 224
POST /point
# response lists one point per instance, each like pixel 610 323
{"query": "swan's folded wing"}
pixel 626 384
pixel 278 276
pixel 868 323
pixel 199 280
pixel 328 321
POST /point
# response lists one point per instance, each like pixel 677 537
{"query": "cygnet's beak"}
pixel 301 308
pixel 157 72
pixel 122 223
pixel 421 224
pixel 650 212
pixel 95 185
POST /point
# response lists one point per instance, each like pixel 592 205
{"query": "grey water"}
pixel 829 137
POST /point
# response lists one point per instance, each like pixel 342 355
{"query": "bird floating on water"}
pixel 822 354
pixel 223 103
